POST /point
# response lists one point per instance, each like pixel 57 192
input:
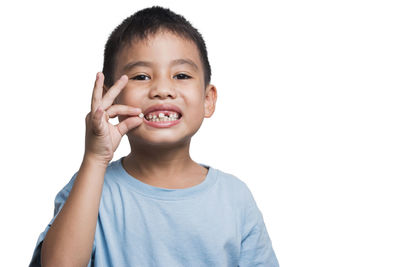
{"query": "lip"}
pixel 162 107
pixel 161 124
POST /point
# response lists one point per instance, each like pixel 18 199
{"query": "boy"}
pixel 156 206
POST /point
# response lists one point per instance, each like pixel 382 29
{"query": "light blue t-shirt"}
pixel 214 223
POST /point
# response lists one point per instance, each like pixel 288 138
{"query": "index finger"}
pixel 97 92
pixel 113 92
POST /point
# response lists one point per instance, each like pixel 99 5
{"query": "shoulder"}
pixel 236 188
pixel 231 181
pixel 110 171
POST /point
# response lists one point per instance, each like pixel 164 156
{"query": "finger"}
pixel 97 91
pixel 97 119
pixel 128 124
pixel 117 109
pixel 113 92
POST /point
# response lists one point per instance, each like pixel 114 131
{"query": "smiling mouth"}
pixel 162 116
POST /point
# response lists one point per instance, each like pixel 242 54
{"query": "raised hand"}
pixel 102 137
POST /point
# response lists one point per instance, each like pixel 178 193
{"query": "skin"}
pixel 160 156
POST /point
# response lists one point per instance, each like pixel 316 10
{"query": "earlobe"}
pixel 210 100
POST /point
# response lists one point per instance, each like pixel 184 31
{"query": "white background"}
pixel 307 116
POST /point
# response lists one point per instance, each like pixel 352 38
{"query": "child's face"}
pixel 164 80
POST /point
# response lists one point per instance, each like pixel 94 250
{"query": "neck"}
pixel 160 165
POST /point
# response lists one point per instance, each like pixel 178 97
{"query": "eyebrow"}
pixel 174 62
pixel 182 61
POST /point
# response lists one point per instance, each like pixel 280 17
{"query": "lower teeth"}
pixel 163 119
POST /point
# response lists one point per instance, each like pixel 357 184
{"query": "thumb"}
pixel 128 124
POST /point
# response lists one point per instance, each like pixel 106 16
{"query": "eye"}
pixel 140 77
pixel 181 76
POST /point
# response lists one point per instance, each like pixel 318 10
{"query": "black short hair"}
pixel 144 23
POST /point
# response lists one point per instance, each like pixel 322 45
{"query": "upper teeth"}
pixel 162 117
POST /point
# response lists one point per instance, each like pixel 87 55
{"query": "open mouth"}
pixel 162 116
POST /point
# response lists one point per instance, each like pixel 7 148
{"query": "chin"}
pixel 158 140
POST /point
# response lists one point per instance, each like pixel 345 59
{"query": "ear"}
pixel 210 100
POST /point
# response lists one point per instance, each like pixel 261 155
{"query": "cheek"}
pixel 129 97
pixel 196 108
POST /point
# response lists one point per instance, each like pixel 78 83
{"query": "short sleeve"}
pixel 256 247
pixel 59 201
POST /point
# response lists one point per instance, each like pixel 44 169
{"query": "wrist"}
pixel 95 160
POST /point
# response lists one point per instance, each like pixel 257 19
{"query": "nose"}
pixel 163 88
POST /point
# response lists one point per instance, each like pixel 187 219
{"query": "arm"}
pixel 256 246
pixel 70 239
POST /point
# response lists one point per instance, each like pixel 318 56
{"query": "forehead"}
pixel 160 49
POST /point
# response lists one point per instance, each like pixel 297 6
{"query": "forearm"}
pixel 70 238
